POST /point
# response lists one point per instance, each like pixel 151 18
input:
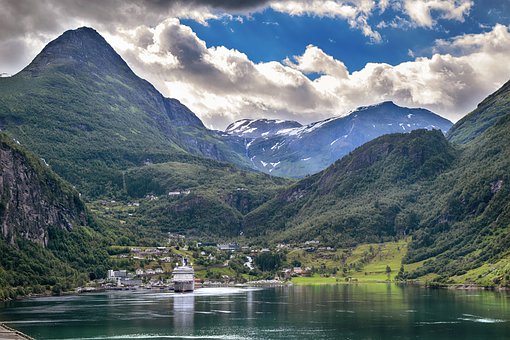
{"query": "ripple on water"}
pixel 163 336
pixel 436 322
pixel 480 319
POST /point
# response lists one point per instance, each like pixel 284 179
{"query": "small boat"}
pixel 184 277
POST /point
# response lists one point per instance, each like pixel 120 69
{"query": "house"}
pixel 228 247
pixel 312 242
pixel 159 271
pixel 207 244
pixel 114 274
pixel 307 271
pixel 140 271
pixel 297 271
pixel 150 272
pixel 130 282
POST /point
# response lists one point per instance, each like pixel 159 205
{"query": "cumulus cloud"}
pixel 314 60
pixel 218 83
pixel 356 12
pixel 26 19
pixel 223 85
pixel 421 11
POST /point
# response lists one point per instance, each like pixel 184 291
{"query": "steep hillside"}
pixel 483 117
pixel 80 107
pixel 466 214
pixel 47 235
pixel 204 199
pixel 453 200
pixel 364 197
pixel 32 197
pixel 299 151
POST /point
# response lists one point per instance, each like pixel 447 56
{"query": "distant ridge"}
pixel 288 149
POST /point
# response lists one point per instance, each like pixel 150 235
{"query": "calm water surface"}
pixel 375 311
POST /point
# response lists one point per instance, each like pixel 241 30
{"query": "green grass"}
pixel 365 263
pixel 316 280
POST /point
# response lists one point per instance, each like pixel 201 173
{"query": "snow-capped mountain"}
pixel 296 151
pixel 255 128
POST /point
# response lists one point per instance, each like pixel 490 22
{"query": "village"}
pixel 234 263
pixel 214 264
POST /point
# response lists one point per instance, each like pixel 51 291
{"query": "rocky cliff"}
pixel 32 197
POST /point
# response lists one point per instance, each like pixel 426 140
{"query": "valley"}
pixel 94 159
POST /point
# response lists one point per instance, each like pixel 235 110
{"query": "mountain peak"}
pixel 255 128
pixel 83 45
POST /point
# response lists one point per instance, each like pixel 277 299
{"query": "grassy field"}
pixel 364 263
pixel 316 280
pixel 489 274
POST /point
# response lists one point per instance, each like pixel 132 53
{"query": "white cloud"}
pixel 421 11
pixel 356 12
pixel 314 60
pixel 29 23
pixel 222 85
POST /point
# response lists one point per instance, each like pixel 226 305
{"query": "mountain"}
pixel 256 128
pixel 454 200
pixel 203 199
pixel 483 117
pixel 48 237
pixel 112 135
pixel 80 107
pixel 302 150
pixel 358 198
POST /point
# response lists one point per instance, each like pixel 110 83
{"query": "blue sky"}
pixel 269 35
pixel 303 60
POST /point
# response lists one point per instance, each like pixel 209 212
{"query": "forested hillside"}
pixel 80 107
pixel 453 199
pixel 48 238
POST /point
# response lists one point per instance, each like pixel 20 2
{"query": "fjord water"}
pixel 375 311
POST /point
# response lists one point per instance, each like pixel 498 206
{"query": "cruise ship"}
pixel 184 277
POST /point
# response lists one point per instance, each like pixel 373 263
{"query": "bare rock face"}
pixel 32 197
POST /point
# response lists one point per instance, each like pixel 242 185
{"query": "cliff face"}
pixel 32 197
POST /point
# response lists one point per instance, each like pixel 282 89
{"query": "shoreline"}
pixel 273 283
pixel 13 334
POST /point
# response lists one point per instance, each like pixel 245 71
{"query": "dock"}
pixel 7 333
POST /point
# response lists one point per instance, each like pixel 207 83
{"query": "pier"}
pixel 7 333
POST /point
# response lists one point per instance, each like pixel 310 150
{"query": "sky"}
pixel 303 60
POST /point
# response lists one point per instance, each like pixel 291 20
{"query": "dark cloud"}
pixel 218 4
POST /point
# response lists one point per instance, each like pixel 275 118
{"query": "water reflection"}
pixel 184 311
pixel 318 312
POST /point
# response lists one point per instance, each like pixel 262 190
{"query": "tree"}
pixel 268 261
pixel 388 271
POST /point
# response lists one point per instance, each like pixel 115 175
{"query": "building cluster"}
pixel 121 278
pixel 179 193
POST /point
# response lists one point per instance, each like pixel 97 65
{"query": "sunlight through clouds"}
pixel 223 84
